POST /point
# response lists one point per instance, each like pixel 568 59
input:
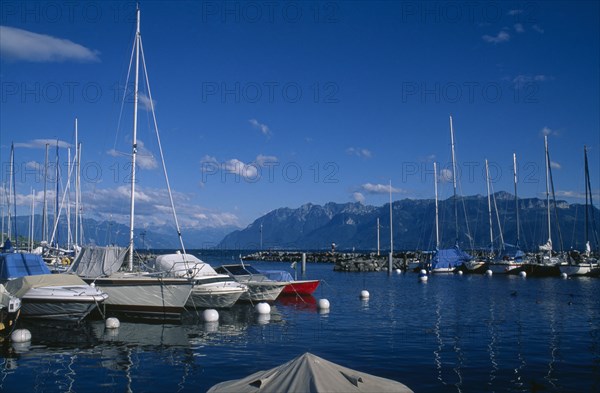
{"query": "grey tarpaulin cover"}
pixel 310 373
pixel 93 262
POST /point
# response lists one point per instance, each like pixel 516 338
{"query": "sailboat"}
pixel 448 260
pixel 512 256
pixel 546 261
pixel 586 263
pixel 135 293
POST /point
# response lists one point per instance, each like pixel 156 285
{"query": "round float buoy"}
pixel 263 308
pixel 460 272
pixel 364 294
pixel 423 272
pixel 210 315
pixel 564 275
pixel 21 336
pixel 112 323
pixel 323 304
pixel 523 274
pixel 488 272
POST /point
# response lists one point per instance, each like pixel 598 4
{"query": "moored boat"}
pixel 59 297
pixel 260 288
pixel 295 287
pixel 210 290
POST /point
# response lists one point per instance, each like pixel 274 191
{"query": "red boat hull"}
pixel 301 287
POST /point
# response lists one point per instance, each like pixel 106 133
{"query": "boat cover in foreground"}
pixel 19 286
pixel 310 373
pixel 17 264
pixel 93 262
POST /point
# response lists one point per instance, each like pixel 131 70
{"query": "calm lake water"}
pixel 451 334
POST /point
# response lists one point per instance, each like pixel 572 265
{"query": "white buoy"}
pixel 423 272
pixel 564 275
pixel 364 294
pixel 323 304
pixel 112 323
pixel 488 272
pixel 398 271
pixel 523 274
pixel 263 308
pixel 210 315
pixel 460 272
pixel 21 336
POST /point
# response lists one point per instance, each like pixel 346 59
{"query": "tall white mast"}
pixel 377 236
pixel 45 205
pixel 487 180
pixel 437 224
pixel 516 198
pixel 548 192
pixel 10 189
pixel 77 173
pixel 68 194
pixel 454 179
pixel 32 221
pixel 390 263
pixel 134 144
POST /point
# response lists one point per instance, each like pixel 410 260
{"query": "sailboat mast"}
pixel 437 224
pixel 487 180
pixel 454 180
pixel 134 144
pixel 586 179
pixel 548 189
pixel 516 197
pixel 10 190
pixel 377 236
pixel 391 226
pixel 77 173
pixel 45 204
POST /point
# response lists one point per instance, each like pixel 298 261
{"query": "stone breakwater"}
pixel 343 261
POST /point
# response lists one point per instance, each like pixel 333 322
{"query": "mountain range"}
pixel 354 225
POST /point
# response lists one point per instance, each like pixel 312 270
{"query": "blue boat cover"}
pixel 16 264
pixel 277 275
pixel 449 258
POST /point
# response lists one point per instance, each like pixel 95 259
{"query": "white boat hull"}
pixel 144 295
pixel 262 291
pixel 503 268
pixel 215 295
pixel 576 270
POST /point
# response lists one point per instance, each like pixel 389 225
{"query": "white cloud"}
pixel 144 101
pixel 152 208
pixel 261 160
pixel 379 188
pixel 22 45
pixel 521 80
pixel 359 152
pixel 445 175
pixel 249 171
pixel 546 131
pixel 33 165
pixel 145 159
pixel 555 165
pixel 538 29
pixel 264 129
pixel 502 36
pixel 358 197
pixel 41 144
pixel 519 28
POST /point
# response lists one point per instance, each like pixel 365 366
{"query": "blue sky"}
pixel 263 105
